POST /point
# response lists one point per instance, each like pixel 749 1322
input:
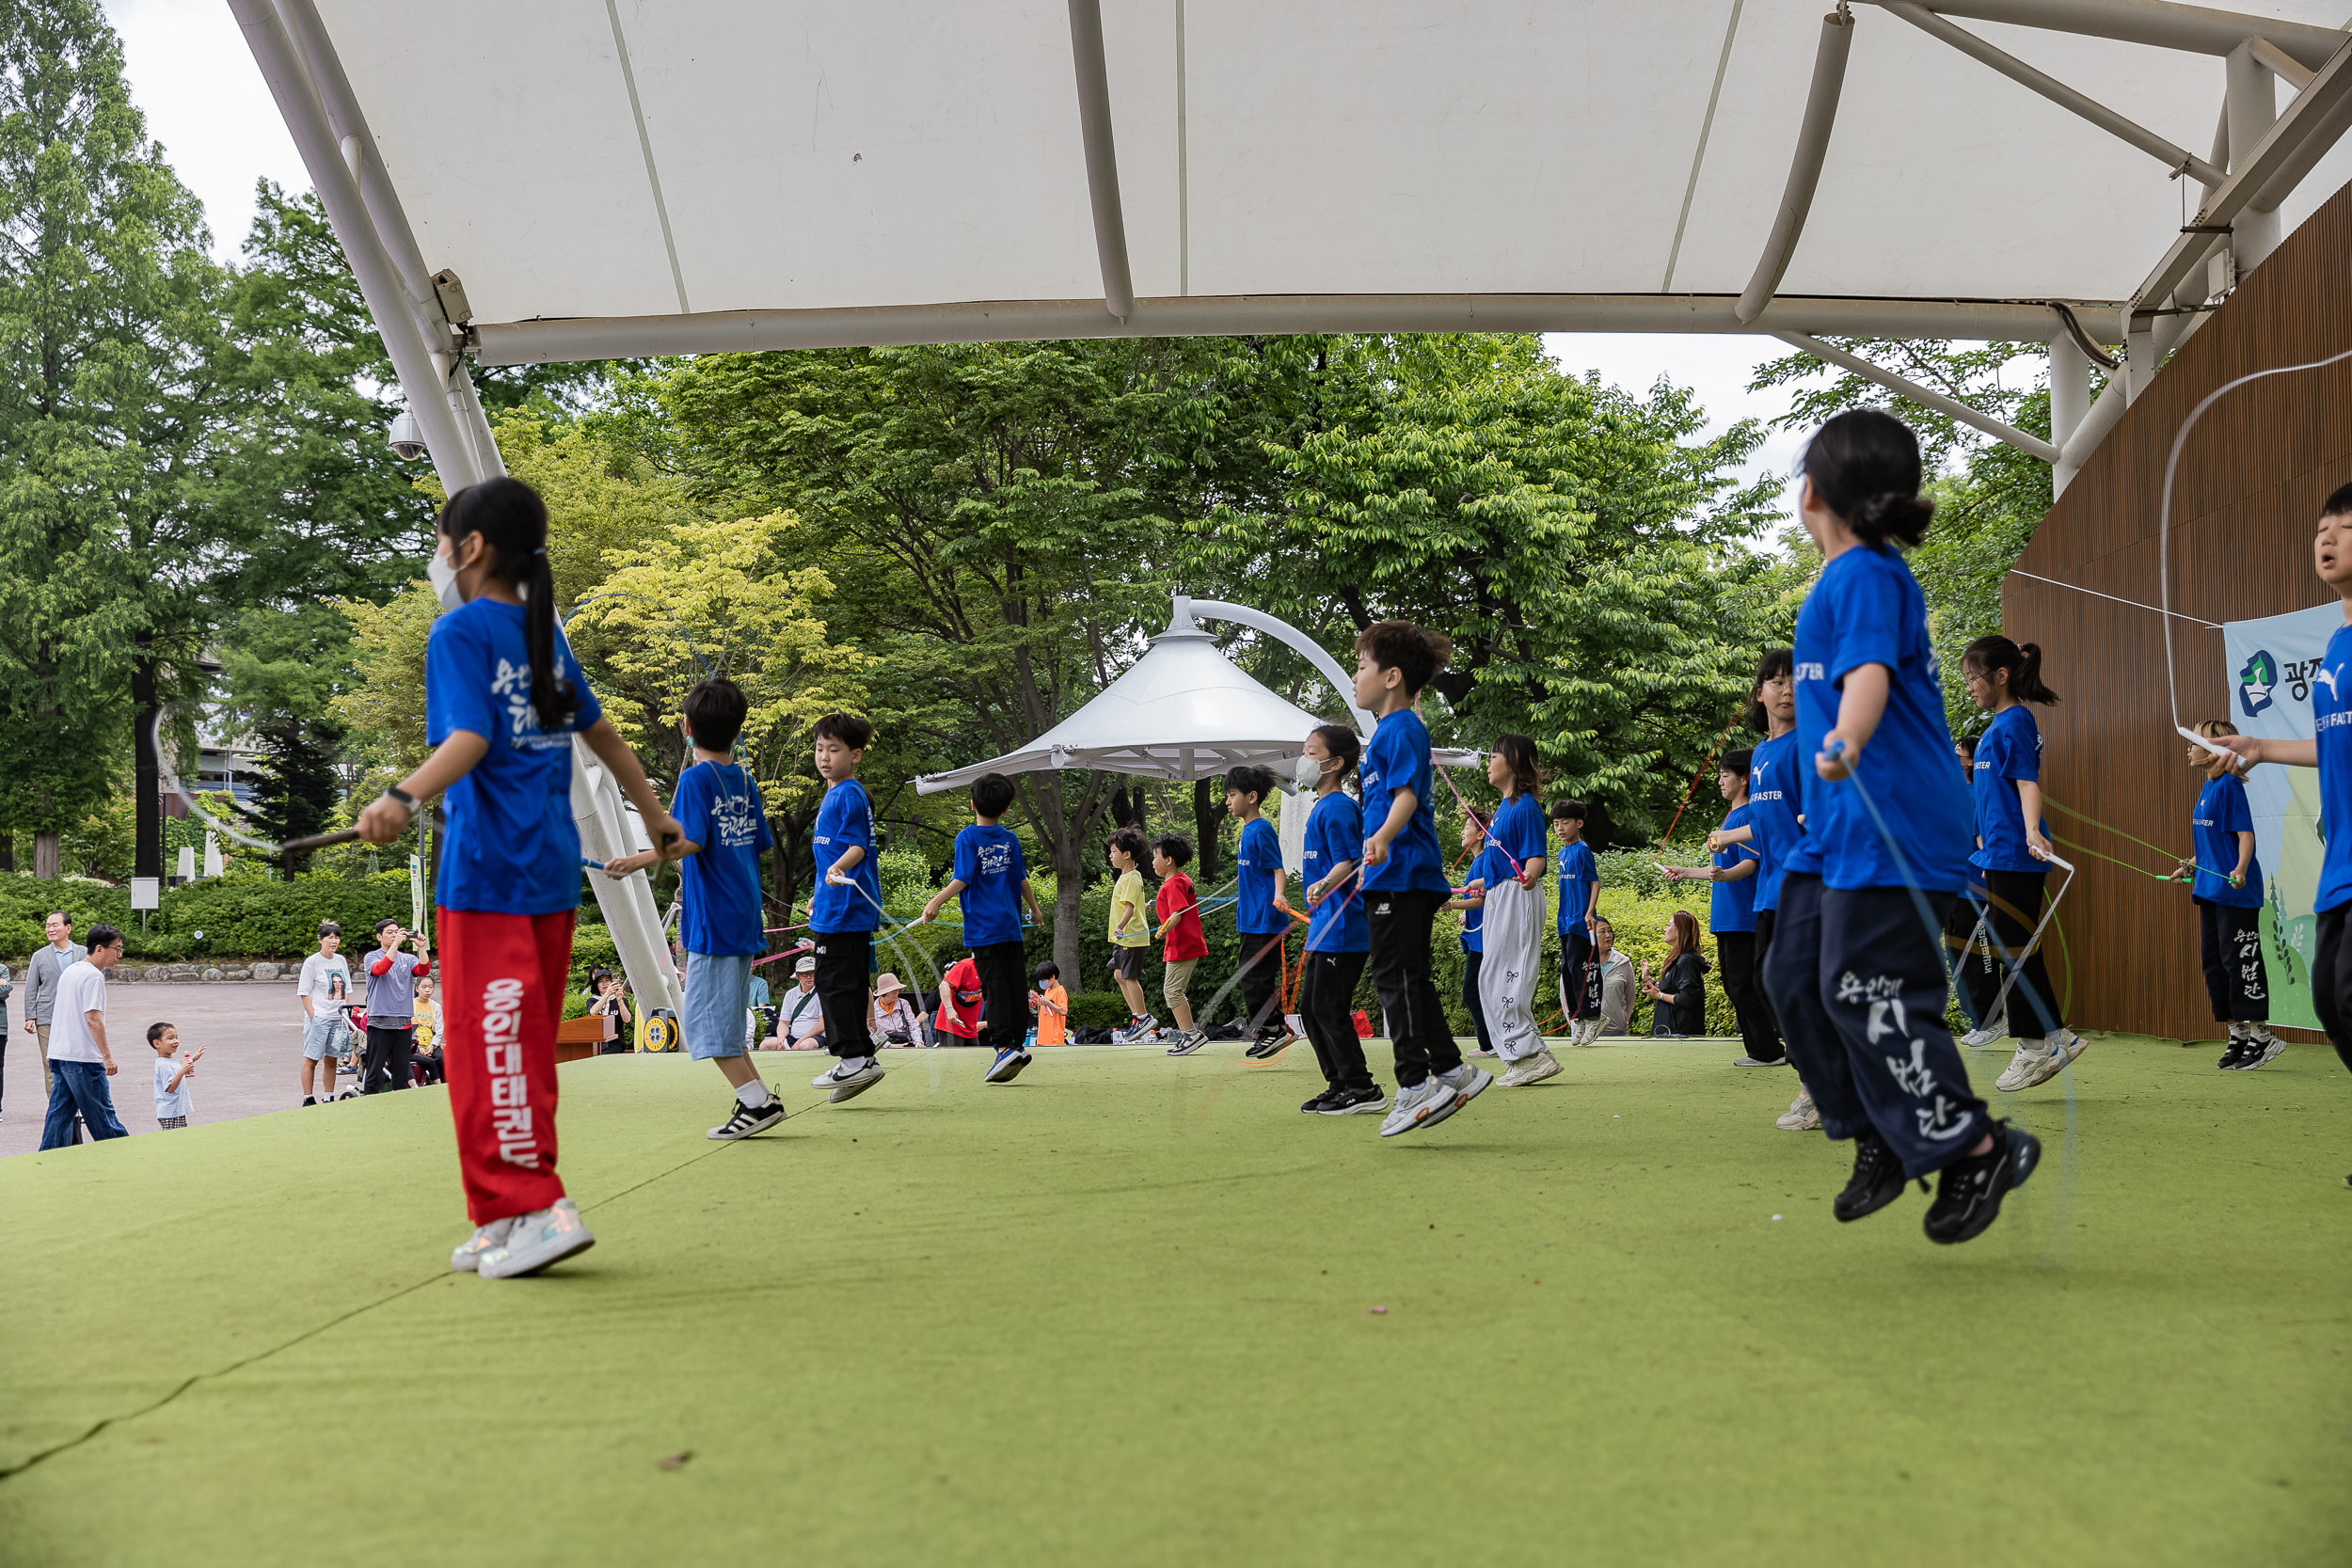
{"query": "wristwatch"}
pixel 393 792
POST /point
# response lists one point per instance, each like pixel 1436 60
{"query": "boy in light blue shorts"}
pixel 719 807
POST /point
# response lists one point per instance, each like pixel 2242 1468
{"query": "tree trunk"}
pixel 1208 814
pixel 45 853
pixel 8 850
pixel 146 854
pixel 1069 887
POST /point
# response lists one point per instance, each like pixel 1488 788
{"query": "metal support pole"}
pixel 1805 169
pixel 2251 102
pixel 2070 404
pixel 379 280
pixel 1094 124
pixel 1977 417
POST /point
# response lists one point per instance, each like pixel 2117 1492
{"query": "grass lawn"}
pixel 1123 1311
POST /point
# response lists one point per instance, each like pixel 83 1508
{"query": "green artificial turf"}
pixel 1122 1312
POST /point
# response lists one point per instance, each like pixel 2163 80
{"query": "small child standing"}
pixel 2229 908
pixel 725 822
pixel 1580 897
pixel 991 881
pixel 1185 945
pixel 1052 1005
pixel 1337 935
pixel 1405 880
pixel 173 1104
pixel 1131 933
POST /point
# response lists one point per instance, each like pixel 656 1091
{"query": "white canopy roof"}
pixel 650 168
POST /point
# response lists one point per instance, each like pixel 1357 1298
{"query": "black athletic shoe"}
pixel 309 1099
pixel 1268 1043
pixel 2239 1057
pixel 1877 1179
pixel 746 1121
pixel 1353 1102
pixel 1315 1106
pixel 1968 1196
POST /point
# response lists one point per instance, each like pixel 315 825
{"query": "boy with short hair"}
pixel 1579 898
pixel 1258 919
pixel 847 907
pixel 1131 933
pixel 325 986
pixel 718 809
pixel 1051 1004
pixel 1185 945
pixel 990 871
pixel 173 1104
pixel 1405 879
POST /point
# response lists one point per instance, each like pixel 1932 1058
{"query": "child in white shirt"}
pixel 173 1104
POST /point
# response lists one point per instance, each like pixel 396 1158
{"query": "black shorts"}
pixel 1127 963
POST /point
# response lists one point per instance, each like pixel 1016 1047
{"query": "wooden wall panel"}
pixel 2247 493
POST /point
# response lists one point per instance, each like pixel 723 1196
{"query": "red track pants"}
pixel 503 979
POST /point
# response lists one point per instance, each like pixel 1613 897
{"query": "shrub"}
pixel 1098 1009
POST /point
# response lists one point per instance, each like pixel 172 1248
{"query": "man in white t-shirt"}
pixel 325 991
pixel 799 1014
pixel 80 1060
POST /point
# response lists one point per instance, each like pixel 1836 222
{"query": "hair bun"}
pixel 1894 514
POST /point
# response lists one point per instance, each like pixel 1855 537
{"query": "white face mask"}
pixel 1307 771
pixel 444 580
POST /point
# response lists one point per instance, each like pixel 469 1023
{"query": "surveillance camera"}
pixel 406 436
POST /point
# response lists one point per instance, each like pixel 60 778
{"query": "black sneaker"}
pixel 1365 1102
pixel 1268 1043
pixel 309 1099
pixel 1314 1107
pixel 1968 1196
pixel 1877 1179
pixel 746 1121
pixel 2238 1056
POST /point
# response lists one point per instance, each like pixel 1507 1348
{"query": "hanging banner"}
pixel 2271 663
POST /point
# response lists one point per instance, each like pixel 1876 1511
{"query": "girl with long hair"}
pixel 505 701
pixel 1510 918
pixel 1680 992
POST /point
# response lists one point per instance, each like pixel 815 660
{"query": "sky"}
pixel 205 101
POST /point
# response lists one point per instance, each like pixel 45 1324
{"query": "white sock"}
pixel 754 1094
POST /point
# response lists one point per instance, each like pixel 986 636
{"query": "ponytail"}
pixel 1865 467
pixel 513 522
pixel 2022 662
pixel 1346 747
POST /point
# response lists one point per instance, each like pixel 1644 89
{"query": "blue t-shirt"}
pixel 1866 608
pixel 512 847
pixel 2221 814
pixel 2009 750
pixel 721 810
pixel 846 818
pixel 1398 758
pixel 1257 878
pixel 1489 869
pixel 1732 905
pixel 990 863
pixel 2331 729
pixel 1579 875
pixel 1335 837
pixel 1774 791
pixel 1519 827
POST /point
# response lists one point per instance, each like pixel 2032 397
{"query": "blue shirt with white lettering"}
pixel 1335 837
pixel 1487 869
pixel 2008 751
pixel 1579 874
pixel 1732 905
pixel 846 820
pixel 1257 878
pixel 990 865
pixel 2331 727
pixel 1774 791
pixel 511 846
pixel 1866 608
pixel 2222 814
pixel 720 808
pixel 1398 758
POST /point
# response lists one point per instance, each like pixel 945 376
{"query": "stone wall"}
pixel 130 973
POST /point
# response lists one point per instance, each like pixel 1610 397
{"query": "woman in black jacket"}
pixel 1680 992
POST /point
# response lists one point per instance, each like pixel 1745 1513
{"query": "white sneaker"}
pixel 1533 1068
pixel 1592 1032
pixel 849 1077
pixel 1425 1104
pixel 489 1237
pixel 1801 1116
pixel 540 1237
pixel 1990 1030
pixel 1466 1080
pixel 2074 1044
pixel 2036 1062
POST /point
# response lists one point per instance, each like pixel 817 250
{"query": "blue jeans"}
pixel 79 1086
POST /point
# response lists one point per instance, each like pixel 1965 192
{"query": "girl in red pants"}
pixel 503 699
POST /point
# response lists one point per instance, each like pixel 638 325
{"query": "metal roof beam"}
pixel 2195 29
pixel 2178 159
pixel 2034 445
pixel 1805 168
pixel 1094 124
pixel 531 343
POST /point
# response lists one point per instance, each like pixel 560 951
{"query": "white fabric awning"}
pixel 635 176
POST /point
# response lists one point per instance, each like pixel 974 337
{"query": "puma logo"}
pixel 2324 674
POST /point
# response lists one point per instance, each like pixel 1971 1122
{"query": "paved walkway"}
pixel 252 1040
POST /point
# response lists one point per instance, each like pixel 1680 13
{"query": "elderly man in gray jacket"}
pixel 41 988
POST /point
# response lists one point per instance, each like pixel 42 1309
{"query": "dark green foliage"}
pixel 296 798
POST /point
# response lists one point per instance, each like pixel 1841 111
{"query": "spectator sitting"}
pixel 1680 990
pixel 426 1063
pixel 801 1016
pixel 1616 979
pixel 896 1021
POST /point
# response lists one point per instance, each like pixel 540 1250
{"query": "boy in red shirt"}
pixel 959 1003
pixel 1178 910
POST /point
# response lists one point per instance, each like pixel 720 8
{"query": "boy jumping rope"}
pixel 1262 926
pixel 847 908
pixel 718 809
pixel 992 882
pixel 1580 897
pixel 1405 879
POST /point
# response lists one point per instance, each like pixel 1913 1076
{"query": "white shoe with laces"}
pixel 1531 1068
pixel 1992 1030
pixel 1800 1117
pixel 2036 1062
pixel 490 1237
pixel 1425 1104
pixel 848 1077
pixel 542 1237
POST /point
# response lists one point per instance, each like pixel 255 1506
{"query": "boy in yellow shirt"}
pixel 1130 935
